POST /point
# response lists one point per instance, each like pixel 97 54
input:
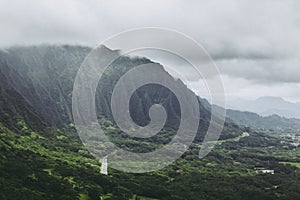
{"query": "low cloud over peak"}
pixel 254 42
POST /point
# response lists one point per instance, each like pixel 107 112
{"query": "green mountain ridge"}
pixel 44 75
pixel 39 161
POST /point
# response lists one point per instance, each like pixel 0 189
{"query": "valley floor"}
pixel 58 167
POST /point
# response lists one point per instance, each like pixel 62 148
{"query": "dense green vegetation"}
pixel 58 167
pixel 41 161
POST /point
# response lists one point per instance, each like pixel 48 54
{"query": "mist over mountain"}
pixel 42 158
pixel 148 129
pixel 15 112
pixel 44 75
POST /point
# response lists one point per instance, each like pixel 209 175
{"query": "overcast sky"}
pixel 255 44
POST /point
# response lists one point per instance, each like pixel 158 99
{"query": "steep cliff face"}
pixel 44 75
pixel 15 113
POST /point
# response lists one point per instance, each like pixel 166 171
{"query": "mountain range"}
pixel 273 123
pixel 44 76
pixel 41 156
pixel 266 106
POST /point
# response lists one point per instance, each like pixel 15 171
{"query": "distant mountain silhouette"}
pixel 253 120
pixel 267 106
pixel 272 123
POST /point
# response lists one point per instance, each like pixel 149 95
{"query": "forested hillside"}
pixel 273 123
pixel 41 156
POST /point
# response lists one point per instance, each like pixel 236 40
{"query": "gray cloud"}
pixel 265 71
pixel 257 41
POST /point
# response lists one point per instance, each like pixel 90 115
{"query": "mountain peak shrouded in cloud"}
pixel 45 78
pixel 135 119
pixel 255 44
